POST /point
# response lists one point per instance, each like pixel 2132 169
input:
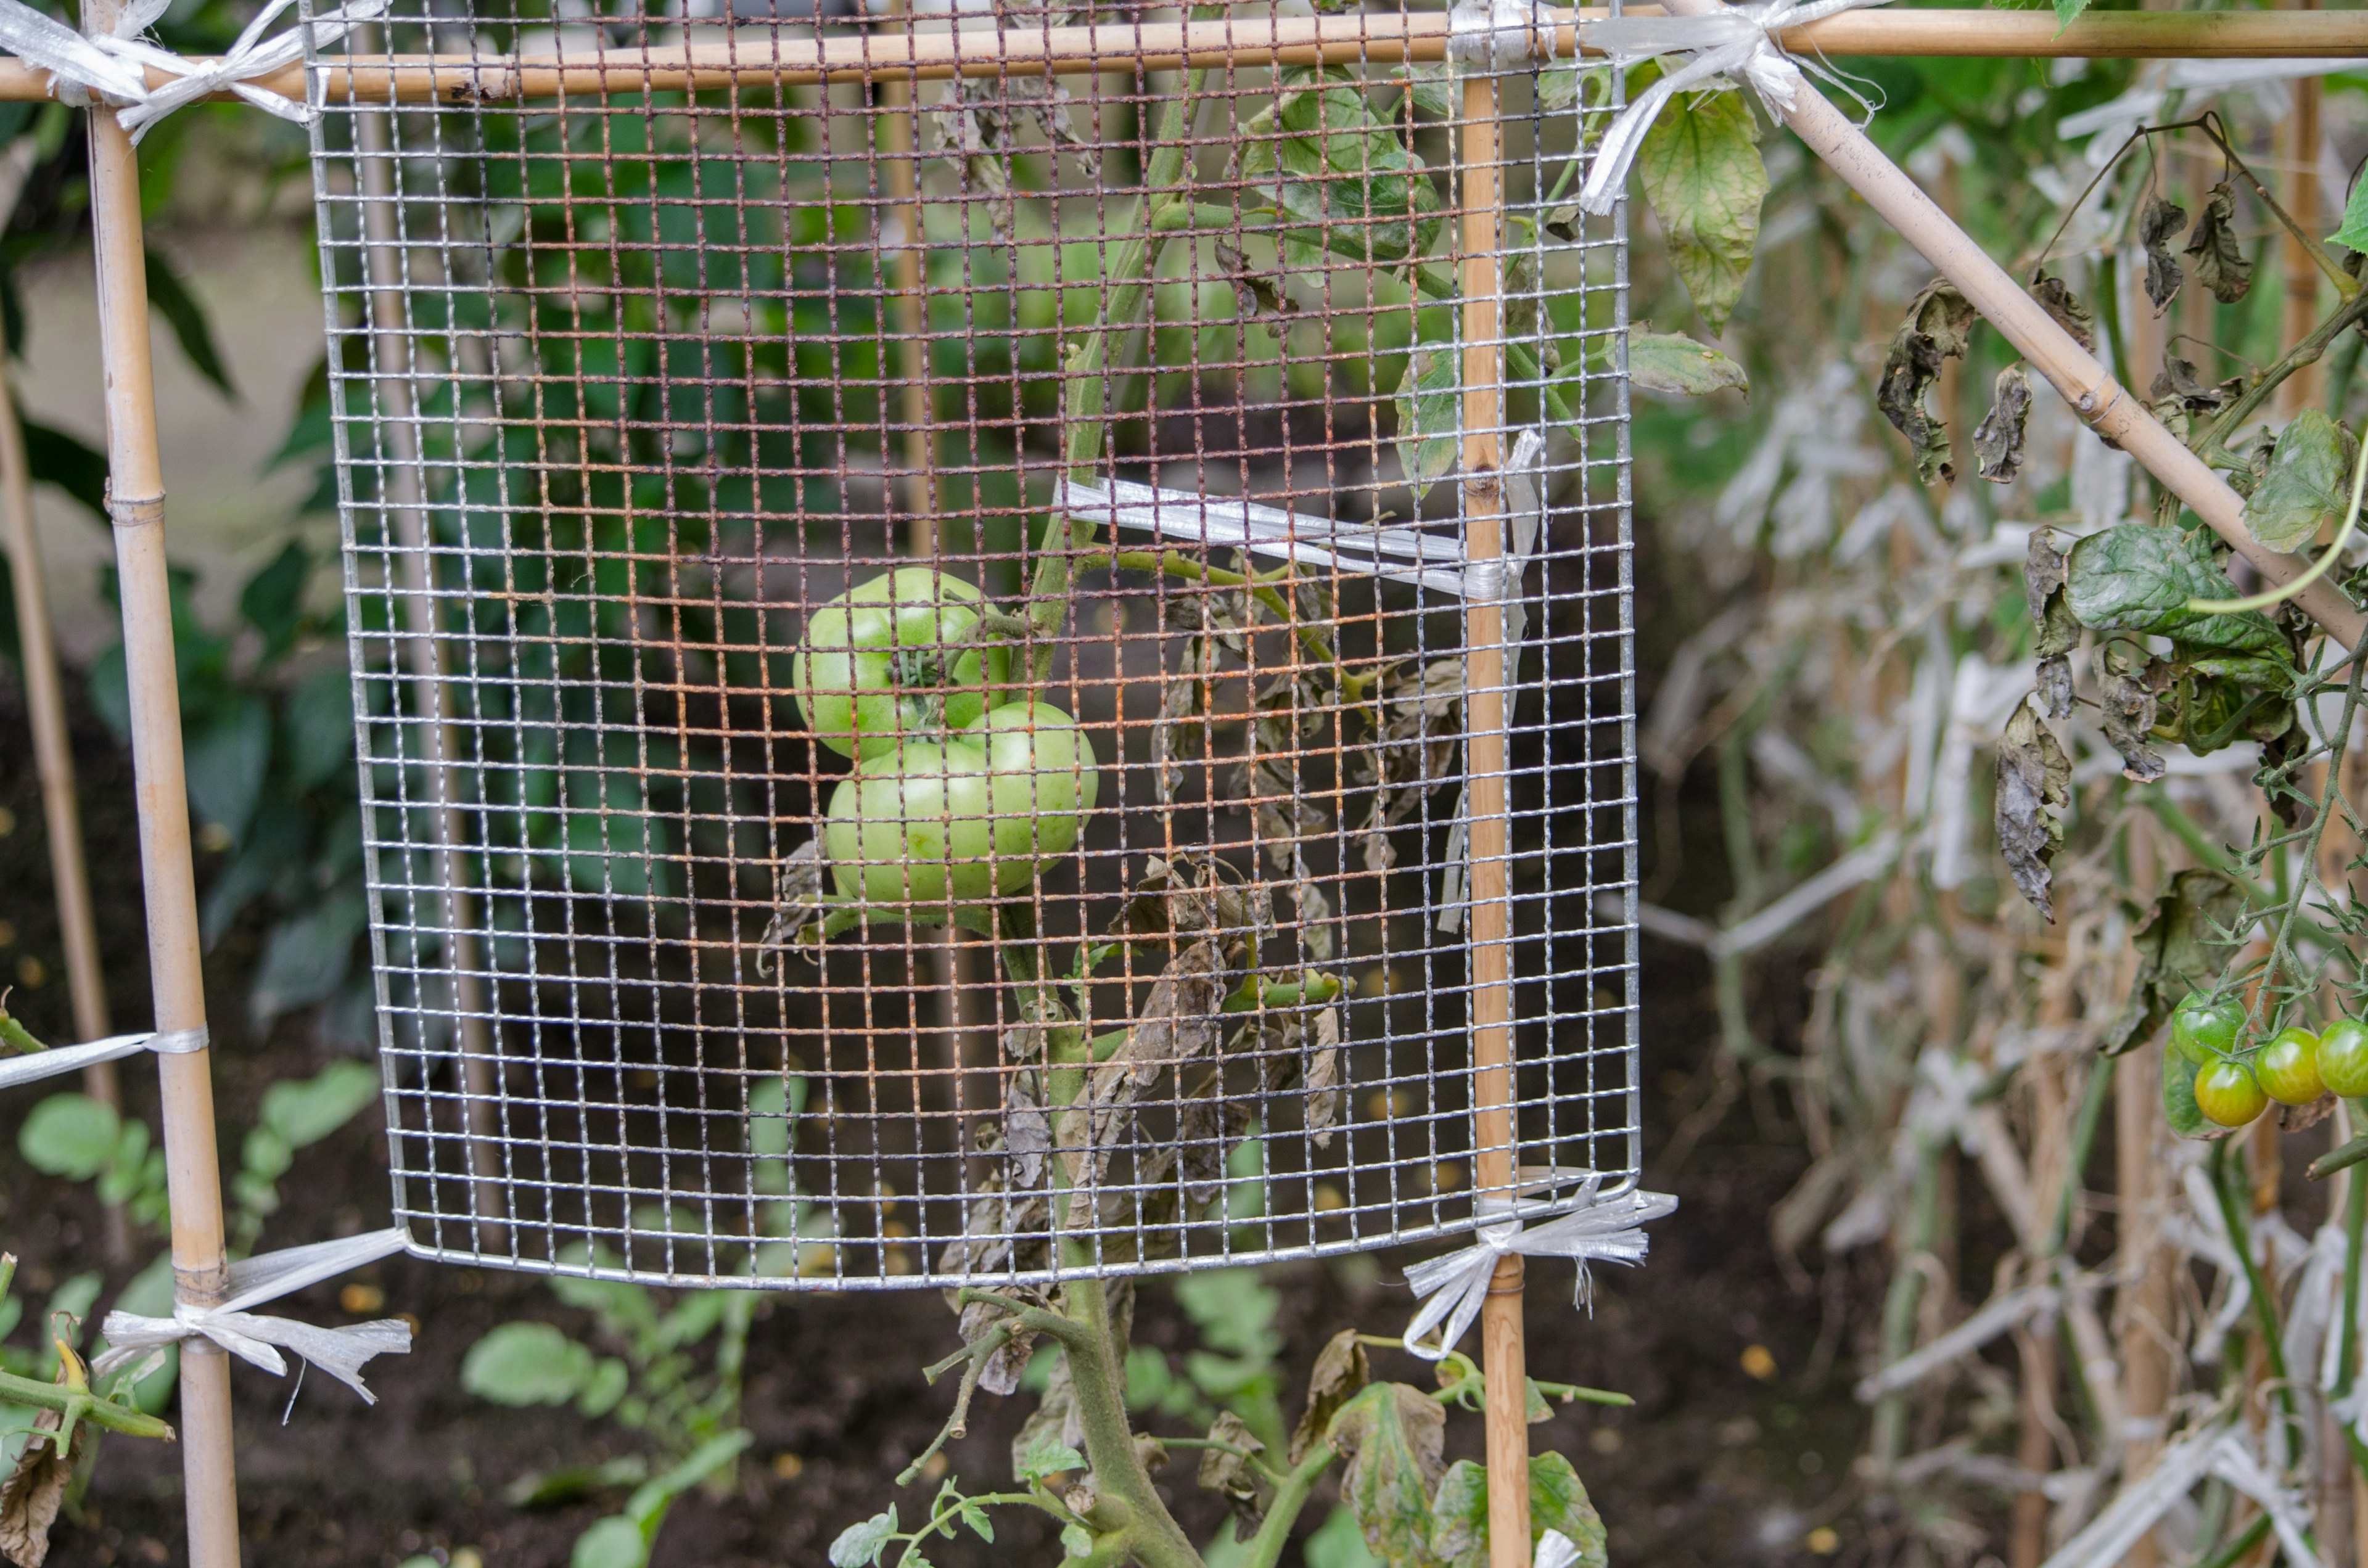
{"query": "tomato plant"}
pixel 2343 1057
pixel 2205 1028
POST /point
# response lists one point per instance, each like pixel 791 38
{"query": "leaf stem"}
pixel 80 1404
pixel 15 1035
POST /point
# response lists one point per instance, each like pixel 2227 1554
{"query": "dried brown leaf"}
pixel 2158 224
pixel 2034 787
pixel 1998 440
pixel 1341 1369
pixel 31 1498
pixel 1322 1077
pixel 1233 1476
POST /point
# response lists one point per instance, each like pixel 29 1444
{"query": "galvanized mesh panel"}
pixel 631 382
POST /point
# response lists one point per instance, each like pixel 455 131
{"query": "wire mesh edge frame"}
pixel 374 334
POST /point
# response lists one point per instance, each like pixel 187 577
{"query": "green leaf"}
pixel 2352 232
pixel 273 601
pixel 1075 1541
pixel 613 1543
pixel 2068 11
pixel 57 457
pixel 1430 417
pixel 2180 948
pixel 2307 483
pixel 172 300
pixel 2136 577
pixel 526 1363
pixel 1702 171
pixel 2178 1106
pixel 1390 1435
pixel 1341 180
pixel 1234 1310
pixel 1567 84
pixel 1431 85
pixel 1673 363
pixel 227 762
pixel 606 1385
pixel 1557 1501
pixel 858 1546
pixel 69 1135
pixel 1048 1456
pixel 1337 1544
pixel 307 1110
pixel 319 728
pixel 306 958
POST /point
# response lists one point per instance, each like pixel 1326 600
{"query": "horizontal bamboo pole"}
pixel 761 57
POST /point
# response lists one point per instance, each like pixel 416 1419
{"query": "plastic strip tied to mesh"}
pixel 909 647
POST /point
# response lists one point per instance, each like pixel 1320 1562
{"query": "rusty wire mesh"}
pixel 628 386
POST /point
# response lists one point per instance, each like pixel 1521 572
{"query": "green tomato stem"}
pixel 80 1404
pixel 1289 1498
pixel 15 1035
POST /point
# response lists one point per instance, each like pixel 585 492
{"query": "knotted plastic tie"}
pixel 1595 1229
pixel 34 1066
pixel 1736 41
pixel 251 1336
pixel 115 67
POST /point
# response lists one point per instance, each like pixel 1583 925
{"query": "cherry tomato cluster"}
pixel 962 786
pixel 2234 1087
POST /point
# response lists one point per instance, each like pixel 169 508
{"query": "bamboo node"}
pixel 135 511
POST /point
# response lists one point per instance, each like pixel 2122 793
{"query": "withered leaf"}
pixel 2180 947
pixel 1179 1022
pixel 2220 262
pixel 2158 224
pixel 1324 1077
pixel 2034 786
pixel 1258 293
pixel 1392 1436
pixel 2043 574
pixel 2059 302
pixel 1233 1476
pixel 1933 333
pixel 2127 680
pixel 797 900
pixel 1207 1128
pixel 31 1495
pixel 1998 441
pixel 1341 1369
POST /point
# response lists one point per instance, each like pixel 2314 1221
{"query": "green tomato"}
pixel 2226 1092
pixel 934 823
pixel 2343 1057
pixel 2203 1029
pixel 870 676
pixel 2288 1067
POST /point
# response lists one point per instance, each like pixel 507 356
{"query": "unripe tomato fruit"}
pixel 2343 1057
pixel 2203 1029
pixel 2226 1092
pixel 958 821
pixel 2287 1067
pixel 871 669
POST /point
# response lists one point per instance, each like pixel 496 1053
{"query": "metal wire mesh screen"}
pixel 909 638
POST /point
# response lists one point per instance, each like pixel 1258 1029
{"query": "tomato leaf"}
pixel 526 1363
pixel 1673 363
pixel 2034 787
pixel 2136 577
pixel 1430 417
pixel 859 1545
pixel 2352 232
pixel 1557 1501
pixel 2306 484
pixel 2059 302
pixel 2178 1106
pixel 1341 178
pixel 1234 1475
pixel 2068 11
pixel 1998 440
pixel 1933 332
pixel 1702 171
pixel 2220 262
pixel 34 1491
pixel 1341 1369
pixel 2184 944
pixel 2158 224
pixel 2126 706
pixel 1390 1435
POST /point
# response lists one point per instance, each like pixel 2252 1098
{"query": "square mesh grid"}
pixel 635 372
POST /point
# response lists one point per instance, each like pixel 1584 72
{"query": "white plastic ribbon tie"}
pixel 1499 35
pixel 1594 1228
pixel 1556 1550
pixel 340 1352
pixel 115 68
pixel 1739 43
pixel 37 1065
pixel 1401 554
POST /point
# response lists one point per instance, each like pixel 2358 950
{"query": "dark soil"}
pixel 1713 1465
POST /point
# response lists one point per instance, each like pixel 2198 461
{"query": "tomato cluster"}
pixel 963 786
pixel 2234 1087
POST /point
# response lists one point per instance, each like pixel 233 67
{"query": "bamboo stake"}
pixel 1487 701
pixel 136 504
pixel 2074 371
pixel 430 660
pixel 45 703
pixel 2301 135
pixel 462 79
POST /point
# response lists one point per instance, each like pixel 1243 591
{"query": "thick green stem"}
pixel 2212 444
pixel 1097 1385
pixel 1265 1548
pixel 82 1405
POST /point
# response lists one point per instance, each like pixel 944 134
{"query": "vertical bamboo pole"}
pixel 45 706
pixel 2299 138
pixel 1486 703
pixel 136 504
pixel 424 650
